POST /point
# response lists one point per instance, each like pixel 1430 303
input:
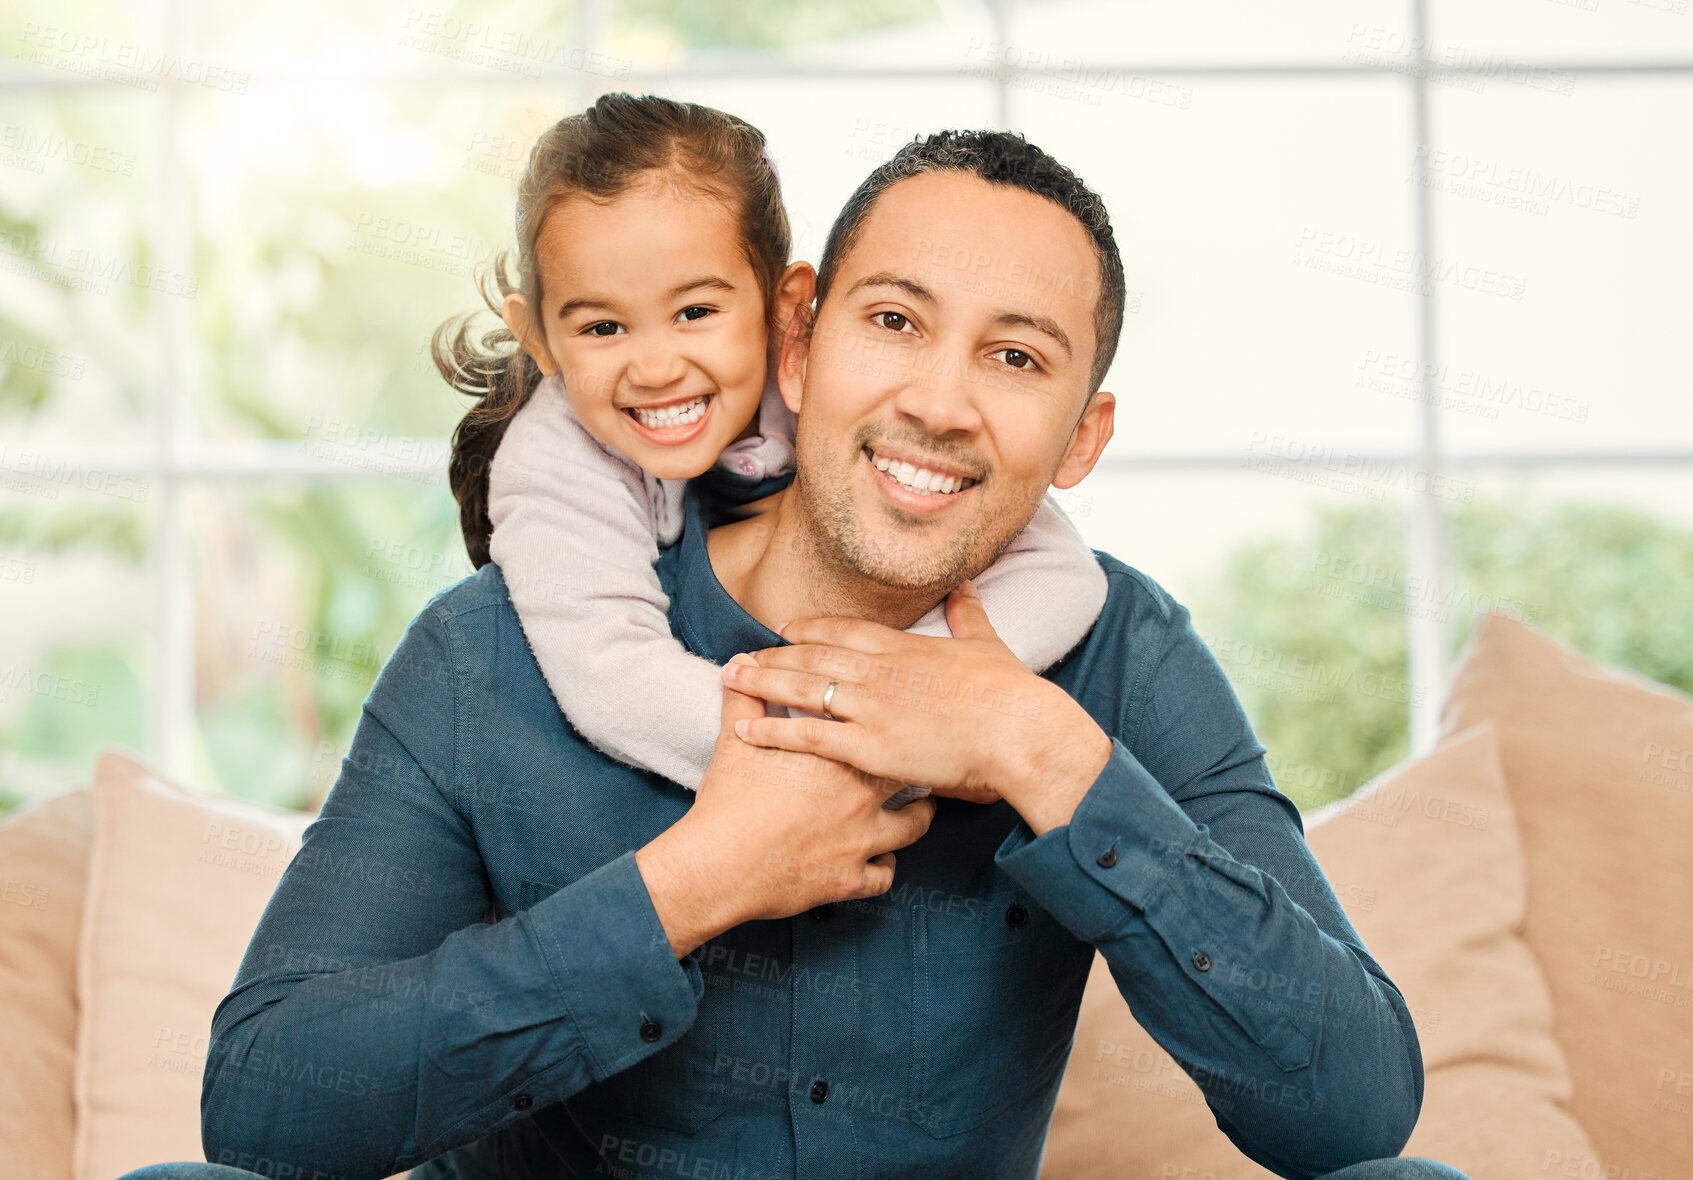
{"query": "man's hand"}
pixel 962 716
pixel 771 834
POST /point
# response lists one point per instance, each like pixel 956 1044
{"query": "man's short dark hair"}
pixel 999 157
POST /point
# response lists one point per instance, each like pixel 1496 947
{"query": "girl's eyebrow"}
pixel 604 303
pixel 703 283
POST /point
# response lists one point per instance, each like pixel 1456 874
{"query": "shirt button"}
pixel 820 913
pixel 523 1102
pixel 1016 916
pixel 819 1091
pixel 1108 859
pixel 651 1031
pixel 1201 961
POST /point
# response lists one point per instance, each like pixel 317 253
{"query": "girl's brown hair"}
pixel 599 154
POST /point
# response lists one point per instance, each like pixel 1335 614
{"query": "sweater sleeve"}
pixel 576 535
pixel 1043 595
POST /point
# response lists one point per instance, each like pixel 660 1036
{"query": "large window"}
pixel 1406 332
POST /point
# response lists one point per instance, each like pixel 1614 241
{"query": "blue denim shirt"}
pixel 463 957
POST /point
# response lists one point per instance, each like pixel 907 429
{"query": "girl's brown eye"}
pixel 603 328
pixel 695 313
pixel 892 320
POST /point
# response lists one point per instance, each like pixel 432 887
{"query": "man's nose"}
pixel 654 364
pixel 942 394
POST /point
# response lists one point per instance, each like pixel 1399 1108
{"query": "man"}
pixel 506 955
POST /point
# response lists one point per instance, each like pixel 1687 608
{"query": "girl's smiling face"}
pixel 653 316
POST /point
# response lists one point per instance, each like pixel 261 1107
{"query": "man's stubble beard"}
pixel 841 540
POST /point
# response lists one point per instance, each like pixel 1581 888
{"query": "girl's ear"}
pixel 518 317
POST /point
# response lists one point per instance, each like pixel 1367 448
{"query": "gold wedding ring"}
pixel 828 696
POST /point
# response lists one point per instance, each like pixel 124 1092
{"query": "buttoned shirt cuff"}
pixel 1118 848
pixel 614 968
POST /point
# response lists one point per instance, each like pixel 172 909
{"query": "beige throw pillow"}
pixel 176 885
pixel 43 865
pixel 1600 764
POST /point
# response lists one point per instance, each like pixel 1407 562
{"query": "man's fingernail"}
pixel 741 658
pixel 741 730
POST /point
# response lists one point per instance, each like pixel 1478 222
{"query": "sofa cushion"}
pixel 1426 862
pixel 176 884
pixel 43 865
pixel 1600 765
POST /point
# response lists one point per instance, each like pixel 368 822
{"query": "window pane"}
pixel 493 40
pixel 867 34
pixel 344 225
pixel 1265 566
pixel 1046 35
pixel 1263 228
pixel 1599 558
pixel 827 134
pixel 73 568
pixel 301 594
pixel 1502 34
pixel 80 277
pixel 1582 198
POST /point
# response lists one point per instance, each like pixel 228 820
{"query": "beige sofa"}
pixel 1529 885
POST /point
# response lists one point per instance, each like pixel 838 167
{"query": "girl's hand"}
pixel 963 716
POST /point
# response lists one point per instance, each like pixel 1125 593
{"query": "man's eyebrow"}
pixel 701 283
pixel 1040 323
pixel 884 278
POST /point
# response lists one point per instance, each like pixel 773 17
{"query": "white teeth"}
pixel 679 415
pixel 920 479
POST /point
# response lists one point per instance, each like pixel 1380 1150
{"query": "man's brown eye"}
pixel 1017 360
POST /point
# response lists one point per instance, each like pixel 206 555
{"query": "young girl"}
pixel 654 276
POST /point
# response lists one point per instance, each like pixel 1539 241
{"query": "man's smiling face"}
pixel 941 389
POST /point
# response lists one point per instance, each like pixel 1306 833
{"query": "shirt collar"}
pixel 703 615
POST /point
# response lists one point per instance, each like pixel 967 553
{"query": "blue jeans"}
pixel 1399 1168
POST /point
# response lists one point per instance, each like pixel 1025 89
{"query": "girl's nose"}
pixel 655 365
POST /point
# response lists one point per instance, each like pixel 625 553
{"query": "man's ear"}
pixel 518 317
pixel 794 290
pixel 1087 444
pixel 794 349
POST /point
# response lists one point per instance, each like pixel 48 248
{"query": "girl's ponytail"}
pixel 500 376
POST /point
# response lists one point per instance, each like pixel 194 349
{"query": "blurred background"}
pixel 1407 332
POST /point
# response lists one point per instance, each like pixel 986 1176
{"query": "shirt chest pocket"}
pixel 672 1088
pixel 995 991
